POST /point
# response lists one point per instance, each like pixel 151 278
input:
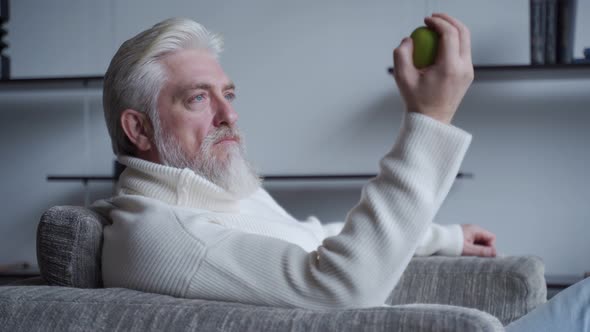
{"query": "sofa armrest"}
pixel 506 287
pixel 60 308
pixel 69 246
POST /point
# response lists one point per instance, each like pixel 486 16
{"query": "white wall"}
pixel 314 97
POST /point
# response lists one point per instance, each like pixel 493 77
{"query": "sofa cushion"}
pixel 115 309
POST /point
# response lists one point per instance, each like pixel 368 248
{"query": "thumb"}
pixel 403 66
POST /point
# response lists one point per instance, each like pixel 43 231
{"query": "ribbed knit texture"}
pixel 175 233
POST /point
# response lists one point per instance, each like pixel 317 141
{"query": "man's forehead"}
pixel 188 69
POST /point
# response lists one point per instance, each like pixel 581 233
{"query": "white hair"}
pixel 135 75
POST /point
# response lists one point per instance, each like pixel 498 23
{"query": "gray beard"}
pixel 232 173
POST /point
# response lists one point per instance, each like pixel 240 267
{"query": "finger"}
pixel 482 251
pixel 404 70
pixel 464 34
pixel 448 47
pixel 484 237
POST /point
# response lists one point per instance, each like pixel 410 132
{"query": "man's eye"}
pixel 198 98
pixel 230 96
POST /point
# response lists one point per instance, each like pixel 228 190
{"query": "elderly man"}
pixel 190 218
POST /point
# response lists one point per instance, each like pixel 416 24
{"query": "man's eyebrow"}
pixel 230 86
pixel 206 86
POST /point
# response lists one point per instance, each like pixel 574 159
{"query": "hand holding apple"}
pixel 436 90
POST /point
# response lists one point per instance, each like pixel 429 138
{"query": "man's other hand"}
pixel 438 89
pixel 478 242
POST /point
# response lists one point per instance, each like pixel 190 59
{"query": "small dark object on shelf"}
pixel 581 61
pixel 585 59
pixel 4 60
pixel 14 267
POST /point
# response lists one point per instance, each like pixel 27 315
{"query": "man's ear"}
pixel 138 129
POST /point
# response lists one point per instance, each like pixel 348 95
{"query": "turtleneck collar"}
pixel 175 186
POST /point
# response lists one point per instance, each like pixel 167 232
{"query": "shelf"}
pixel 502 72
pixel 80 178
pixel 75 79
pixel 529 72
pixel 532 72
pixel 460 175
pixel 93 178
pixel 15 270
pixel 562 281
pixel 78 82
pixel 554 67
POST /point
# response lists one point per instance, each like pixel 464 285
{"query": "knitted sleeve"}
pixel 446 240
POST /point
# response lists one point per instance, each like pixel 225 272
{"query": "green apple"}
pixel 425 46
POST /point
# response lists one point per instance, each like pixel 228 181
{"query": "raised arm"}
pixel 382 231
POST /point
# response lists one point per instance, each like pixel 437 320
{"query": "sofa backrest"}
pixel 69 246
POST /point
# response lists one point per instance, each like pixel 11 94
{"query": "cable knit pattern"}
pixel 175 233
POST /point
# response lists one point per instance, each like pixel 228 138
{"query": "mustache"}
pixel 222 133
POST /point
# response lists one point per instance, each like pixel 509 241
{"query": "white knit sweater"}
pixel 175 233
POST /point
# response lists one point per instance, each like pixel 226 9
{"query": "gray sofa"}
pixel 434 294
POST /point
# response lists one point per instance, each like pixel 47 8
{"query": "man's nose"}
pixel 224 113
